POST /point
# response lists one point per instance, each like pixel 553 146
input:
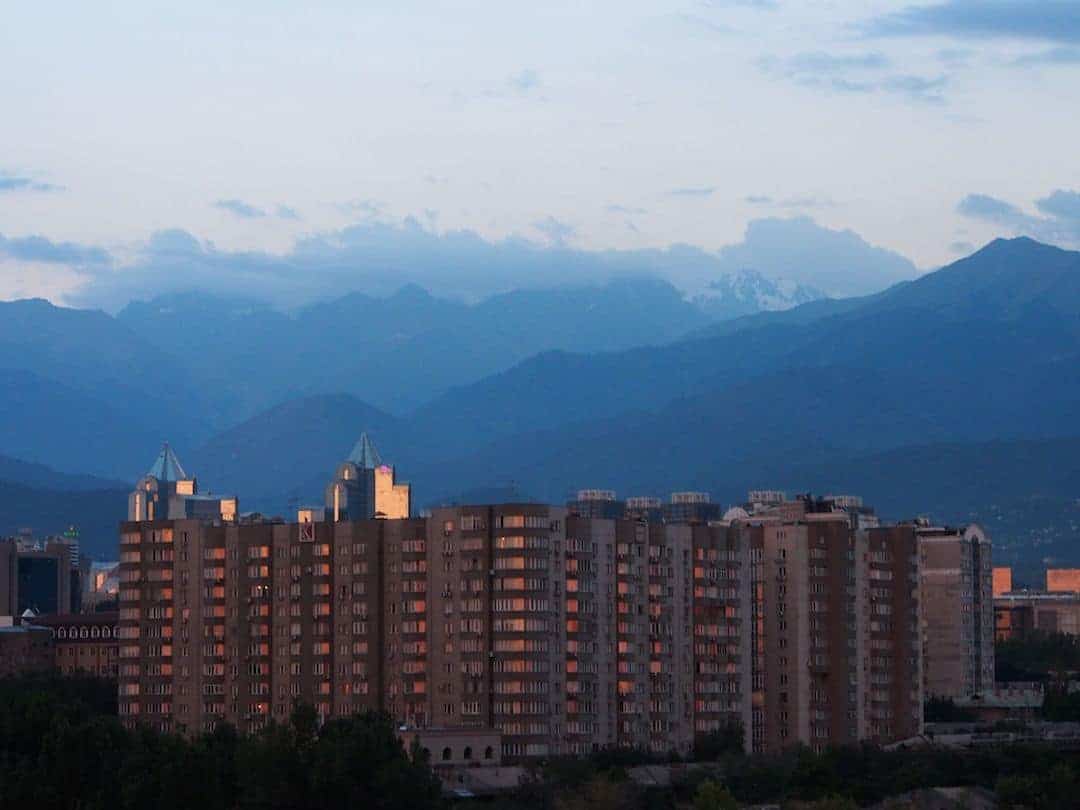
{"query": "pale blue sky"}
pixel 601 125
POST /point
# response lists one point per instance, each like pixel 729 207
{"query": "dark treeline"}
pixel 1031 777
pixel 62 747
pixel 1039 657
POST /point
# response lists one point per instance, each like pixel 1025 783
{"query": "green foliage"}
pixel 1039 657
pixel 62 747
pixel 945 710
pixel 724 741
pixel 713 796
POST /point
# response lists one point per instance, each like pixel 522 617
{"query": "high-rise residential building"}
pixel 837 647
pixel 364 487
pixel 958 610
pixel 597 503
pixel 691 507
pixel 645 507
pixel 166 492
pixel 563 633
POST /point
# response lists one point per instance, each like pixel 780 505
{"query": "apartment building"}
pixel 958 610
pixel 563 633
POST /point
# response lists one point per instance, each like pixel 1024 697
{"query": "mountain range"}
pixel 936 394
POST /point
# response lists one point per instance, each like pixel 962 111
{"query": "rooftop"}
pixel 167 467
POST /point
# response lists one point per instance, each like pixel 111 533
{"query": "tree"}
pixel 712 796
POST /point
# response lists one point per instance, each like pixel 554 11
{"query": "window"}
pixel 446 754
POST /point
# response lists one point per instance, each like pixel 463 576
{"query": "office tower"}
pixel 597 503
pixel 166 492
pixel 35 577
pixel 364 487
pixel 690 507
pixel 958 610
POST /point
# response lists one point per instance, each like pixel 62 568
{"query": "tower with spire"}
pixel 364 487
pixel 167 492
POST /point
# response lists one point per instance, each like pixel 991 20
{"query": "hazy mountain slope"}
pixel 97 513
pixel 69 429
pixel 44 477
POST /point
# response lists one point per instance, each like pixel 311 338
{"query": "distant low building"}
pixel 1063 580
pixel 24 649
pixel 1019 614
pixel 1002 579
pixel 82 642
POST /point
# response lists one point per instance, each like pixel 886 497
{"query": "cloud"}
pixel 626 209
pixel 240 208
pixel 1049 20
pixel 557 232
pixel 285 212
pixel 797 201
pixel 762 5
pixel 378 257
pixel 853 73
pixel 19 182
pixel 839 263
pixel 524 81
pixel 692 191
pixel 1061 205
pixel 821 62
pixel 1065 55
pixel 1059 222
pixel 41 249
pixel 961 247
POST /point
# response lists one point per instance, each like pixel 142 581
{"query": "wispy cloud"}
pixel 1058 220
pixel 558 233
pixel 796 201
pixel 854 73
pixel 240 208
pixel 1050 20
pixel 42 249
pixel 692 191
pixel 626 209
pixel 11 181
pixel 524 81
pixel 1064 55
pixel 287 212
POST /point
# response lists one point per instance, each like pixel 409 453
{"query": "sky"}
pixel 139 134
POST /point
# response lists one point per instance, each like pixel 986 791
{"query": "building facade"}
pixel 363 487
pixel 36 577
pixel 83 642
pixel 958 610
pixel 565 634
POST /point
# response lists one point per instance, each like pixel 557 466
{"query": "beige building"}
pixel 958 611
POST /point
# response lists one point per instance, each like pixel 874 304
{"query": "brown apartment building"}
pixel 565 634
pixel 957 586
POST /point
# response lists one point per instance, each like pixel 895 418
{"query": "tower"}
pixel 166 492
pixel 363 487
